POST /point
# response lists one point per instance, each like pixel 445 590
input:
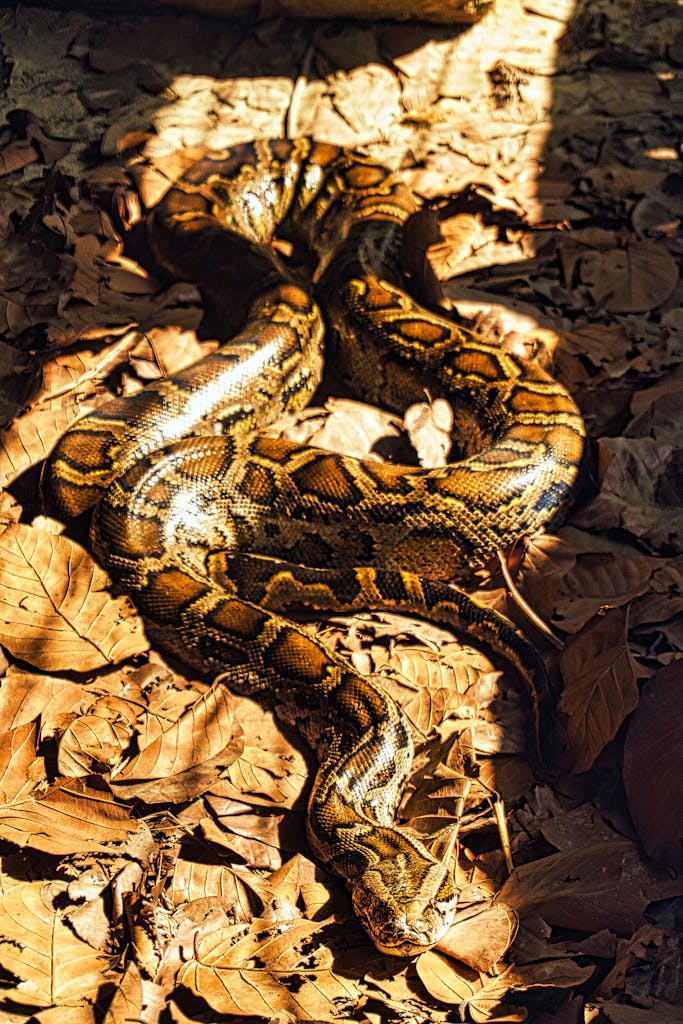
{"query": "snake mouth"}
pixel 405 940
pixel 404 927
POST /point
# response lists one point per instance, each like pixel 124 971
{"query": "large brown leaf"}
pixel 266 970
pixel 52 964
pixel 653 765
pixel 55 611
pixel 599 686
pixel 67 817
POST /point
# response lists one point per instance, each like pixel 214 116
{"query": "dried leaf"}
pixel 640 277
pixel 429 425
pixel 480 937
pixel 653 766
pixel 576 889
pixel 25 695
pixel 640 492
pixel 344 426
pixel 200 734
pixel 195 879
pixel 599 686
pixel 446 980
pixel 264 970
pixel 68 817
pixel 52 964
pixel 54 609
pixel 31 437
pixel 92 742
pixel 126 1006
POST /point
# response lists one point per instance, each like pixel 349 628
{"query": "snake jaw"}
pixel 402 918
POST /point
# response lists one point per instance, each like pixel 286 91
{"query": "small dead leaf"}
pixel 640 492
pixel 68 817
pixel 126 1004
pixel 445 979
pixel 429 425
pixel 199 735
pixel 585 889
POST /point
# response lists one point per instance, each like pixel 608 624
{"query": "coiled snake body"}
pixel 209 533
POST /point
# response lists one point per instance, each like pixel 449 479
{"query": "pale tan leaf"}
pixel 570 578
pixel 265 777
pixel 587 888
pixel 52 964
pixel 288 880
pixel 345 426
pixel 194 880
pixel 91 742
pixel 31 437
pixel 261 840
pixel 167 350
pixel 640 491
pixel 600 687
pixel 55 611
pixel 488 1006
pixel 25 695
pixel 562 972
pixel 429 425
pixel 20 767
pixel 183 785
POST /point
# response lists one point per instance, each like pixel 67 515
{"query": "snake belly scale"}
pixel 216 537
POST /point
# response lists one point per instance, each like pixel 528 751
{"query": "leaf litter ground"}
pixel 154 865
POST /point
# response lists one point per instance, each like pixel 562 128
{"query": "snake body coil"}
pixel 215 536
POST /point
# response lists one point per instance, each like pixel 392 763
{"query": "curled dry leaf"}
pixel 127 1002
pixel 89 743
pixel 600 688
pixel 53 966
pixel 265 970
pixel 195 879
pixel 346 426
pixel 653 766
pixel 55 612
pixel 31 437
pixel 446 980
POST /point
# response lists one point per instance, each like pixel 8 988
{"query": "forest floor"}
pixel 154 863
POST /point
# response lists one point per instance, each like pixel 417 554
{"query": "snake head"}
pixel 406 903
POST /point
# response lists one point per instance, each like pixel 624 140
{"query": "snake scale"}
pixel 217 536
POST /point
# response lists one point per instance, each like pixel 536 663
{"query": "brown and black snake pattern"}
pixel 216 536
